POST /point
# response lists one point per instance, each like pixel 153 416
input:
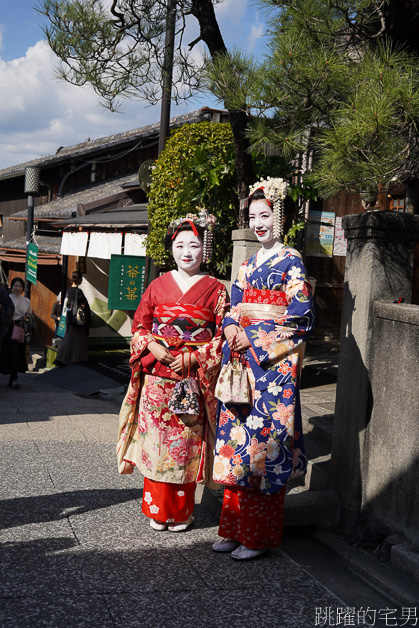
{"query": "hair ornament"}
pixel 275 190
pixel 204 220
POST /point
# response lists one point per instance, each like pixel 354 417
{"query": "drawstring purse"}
pixel 233 382
pixel 185 397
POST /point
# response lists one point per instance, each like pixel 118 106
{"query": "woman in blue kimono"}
pixel 260 445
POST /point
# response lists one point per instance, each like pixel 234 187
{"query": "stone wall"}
pixel 391 467
pixel 379 266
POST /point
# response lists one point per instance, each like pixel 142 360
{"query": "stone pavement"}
pixel 76 550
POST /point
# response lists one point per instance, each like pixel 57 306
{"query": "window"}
pixel 397 203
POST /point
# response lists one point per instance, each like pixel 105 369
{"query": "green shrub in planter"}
pixel 196 169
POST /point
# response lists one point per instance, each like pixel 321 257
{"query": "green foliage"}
pixel 119 49
pixel 291 237
pixel 300 193
pixel 332 82
pixel 372 140
pixel 196 168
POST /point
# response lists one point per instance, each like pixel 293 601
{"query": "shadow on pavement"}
pixel 20 511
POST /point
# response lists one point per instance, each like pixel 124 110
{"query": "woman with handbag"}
pixel 259 442
pixel 167 419
pixel 73 348
pixel 13 348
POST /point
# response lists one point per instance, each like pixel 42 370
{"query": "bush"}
pixel 196 168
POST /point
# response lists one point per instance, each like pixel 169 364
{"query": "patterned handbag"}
pixel 185 397
pixel 233 384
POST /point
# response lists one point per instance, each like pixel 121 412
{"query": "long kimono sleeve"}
pixel 128 417
pixel 233 316
pixel 209 361
pixel 274 339
pixel 141 328
pixel 209 355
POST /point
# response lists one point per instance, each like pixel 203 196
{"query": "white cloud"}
pixel 231 9
pixel 256 33
pixel 38 113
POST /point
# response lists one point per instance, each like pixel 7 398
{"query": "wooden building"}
pixel 88 178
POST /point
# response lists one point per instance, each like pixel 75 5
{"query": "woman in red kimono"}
pixel 259 445
pixel 176 334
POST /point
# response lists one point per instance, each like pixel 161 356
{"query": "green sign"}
pixel 32 262
pixel 126 282
pixel 62 325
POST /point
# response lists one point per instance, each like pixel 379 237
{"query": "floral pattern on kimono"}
pixel 164 446
pixel 261 446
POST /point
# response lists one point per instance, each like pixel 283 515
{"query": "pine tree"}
pixel 334 82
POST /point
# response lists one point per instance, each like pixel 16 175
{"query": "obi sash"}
pixel 178 327
pixel 262 305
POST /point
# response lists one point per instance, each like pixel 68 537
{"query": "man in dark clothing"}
pixel 7 309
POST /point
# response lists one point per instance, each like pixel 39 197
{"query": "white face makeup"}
pixel 261 221
pixel 187 251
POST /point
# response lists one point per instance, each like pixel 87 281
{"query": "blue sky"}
pixel 38 113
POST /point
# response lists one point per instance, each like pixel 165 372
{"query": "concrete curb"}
pixel 379 575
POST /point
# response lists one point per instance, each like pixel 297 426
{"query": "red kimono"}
pixel 168 448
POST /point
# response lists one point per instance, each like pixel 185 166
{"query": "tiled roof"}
pixel 66 206
pixel 92 146
pixel 133 215
pixel 45 243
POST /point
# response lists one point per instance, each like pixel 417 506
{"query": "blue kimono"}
pixel 260 446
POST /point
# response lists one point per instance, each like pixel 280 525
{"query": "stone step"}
pixel 319 426
pixel 305 507
pixel 396 579
pixel 318 464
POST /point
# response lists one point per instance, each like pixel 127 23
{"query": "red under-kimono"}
pixel 172 451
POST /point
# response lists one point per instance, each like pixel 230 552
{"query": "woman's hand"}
pixel 188 359
pixel 230 332
pixel 161 354
pixel 241 341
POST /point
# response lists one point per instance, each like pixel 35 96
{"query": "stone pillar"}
pixel 245 244
pixel 379 265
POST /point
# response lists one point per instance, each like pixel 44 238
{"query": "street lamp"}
pixel 31 188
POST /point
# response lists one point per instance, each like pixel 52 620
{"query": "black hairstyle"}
pixel 185 226
pixel 76 275
pixel 15 280
pixel 258 195
pixel 289 207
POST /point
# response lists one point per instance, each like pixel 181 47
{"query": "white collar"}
pixel 263 254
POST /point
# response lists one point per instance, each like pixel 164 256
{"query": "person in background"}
pixel 7 309
pixel 56 312
pixel 74 348
pixel 13 354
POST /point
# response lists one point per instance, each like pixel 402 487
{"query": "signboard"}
pixel 320 232
pixel 126 281
pixel 63 321
pixel 32 262
pixel 81 264
pixel 339 245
